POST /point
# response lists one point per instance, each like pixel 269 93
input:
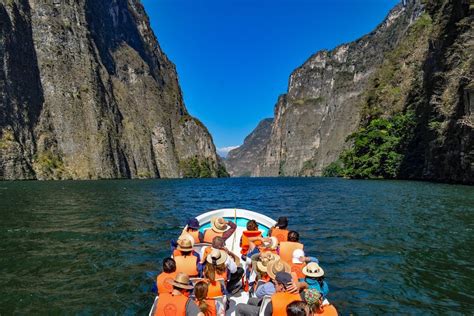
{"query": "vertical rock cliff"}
pixel 246 159
pixel 397 103
pixel 87 93
pixel 322 105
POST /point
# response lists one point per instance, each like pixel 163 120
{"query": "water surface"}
pixel 93 247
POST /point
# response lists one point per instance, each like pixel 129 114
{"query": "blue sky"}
pixel 234 57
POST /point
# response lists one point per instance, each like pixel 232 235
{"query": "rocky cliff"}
pixel 87 93
pixel 401 94
pixel 246 159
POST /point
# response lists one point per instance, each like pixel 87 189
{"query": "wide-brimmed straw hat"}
pixel 186 235
pixel 272 244
pixel 313 270
pixel 181 280
pixel 270 256
pixel 218 224
pixel 276 266
pixel 184 244
pixel 217 257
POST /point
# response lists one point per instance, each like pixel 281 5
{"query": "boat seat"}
pixel 265 301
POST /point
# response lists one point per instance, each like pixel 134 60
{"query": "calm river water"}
pixel 94 247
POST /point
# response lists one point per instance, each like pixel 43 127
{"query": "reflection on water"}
pixel 93 247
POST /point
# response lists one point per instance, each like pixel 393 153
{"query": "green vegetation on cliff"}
pixel 196 167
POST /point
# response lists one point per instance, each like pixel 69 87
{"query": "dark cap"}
pixel 283 278
pixel 282 221
pixel 193 223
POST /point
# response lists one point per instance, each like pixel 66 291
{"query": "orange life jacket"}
pixel 169 304
pixel 245 242
pixel 162 282
pixel 207 251
pixel 287 248
pixel 281 300
pixel 211 307
pixel 195 235
pixel 215 289
pixel 209 235
pixel 328 310
pixel 297 268
pixel 280 234
pixel 187 264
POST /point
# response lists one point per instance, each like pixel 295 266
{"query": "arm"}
pixel 230 231
pixel 311 259
pixel 231 266
pixel 201 237
pixel 265 289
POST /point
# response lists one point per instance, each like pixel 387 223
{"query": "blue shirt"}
pixel 265 289
pixel 314 284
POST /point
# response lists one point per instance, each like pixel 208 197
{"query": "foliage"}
pixel 197 167
pixel 378 149
pixel 334 169
pixel 49 166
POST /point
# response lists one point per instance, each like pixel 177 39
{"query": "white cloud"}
pixel 225 150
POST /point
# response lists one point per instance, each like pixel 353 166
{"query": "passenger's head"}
pixel 313 271
pixel 282 222
pixel 181 283
pixel 298 256
pixel 218 242
pixel 293 236
pixel 252 225
pixel 169 265
pixel 314 299
pixel 282 281
pixel 297 308
pixel 218 224
pixel 276 266
pixel 200 291
pixel 193 224
pixel 185 246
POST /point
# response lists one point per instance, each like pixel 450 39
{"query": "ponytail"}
pixel 200 291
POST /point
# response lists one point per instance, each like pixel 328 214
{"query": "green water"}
pixel 95 247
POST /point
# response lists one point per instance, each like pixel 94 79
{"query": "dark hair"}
pixel 252 225
pixel 200 291
pixel 297 308
pixel 293 236
pixel 169 265
pixel 218 242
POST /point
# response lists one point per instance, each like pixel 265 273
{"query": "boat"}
pixel 240 217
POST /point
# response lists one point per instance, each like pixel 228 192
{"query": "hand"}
pixel 292 288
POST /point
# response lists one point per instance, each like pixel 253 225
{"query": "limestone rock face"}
pixel 246 159
pixel 87 93
pixel 322 104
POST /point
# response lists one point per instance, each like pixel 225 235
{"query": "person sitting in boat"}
pixel 280 230
pixel 207 305
pixel 287 247
pixel 270 245
pixel 299 261
pixel 216 273
pixel 178 302
pixel 169 273
pixel 174 245
pixel 192 228
pixel 188 261
pixel 219 227
pixel 283 296
pixel 298 308
pixel 316 304
pixel 314 277
pixel 251 239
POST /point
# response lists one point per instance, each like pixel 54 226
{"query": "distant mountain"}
pixel 396 103
pixel 244 160
pixel 87 93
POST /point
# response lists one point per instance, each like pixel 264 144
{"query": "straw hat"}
pixel 218 224
pixel 186 235
pixel 313 270
pixel 185 244
pixel 262 264
pixel 216 257
pixel 181 280
pixel 276 266
pixel 273 244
